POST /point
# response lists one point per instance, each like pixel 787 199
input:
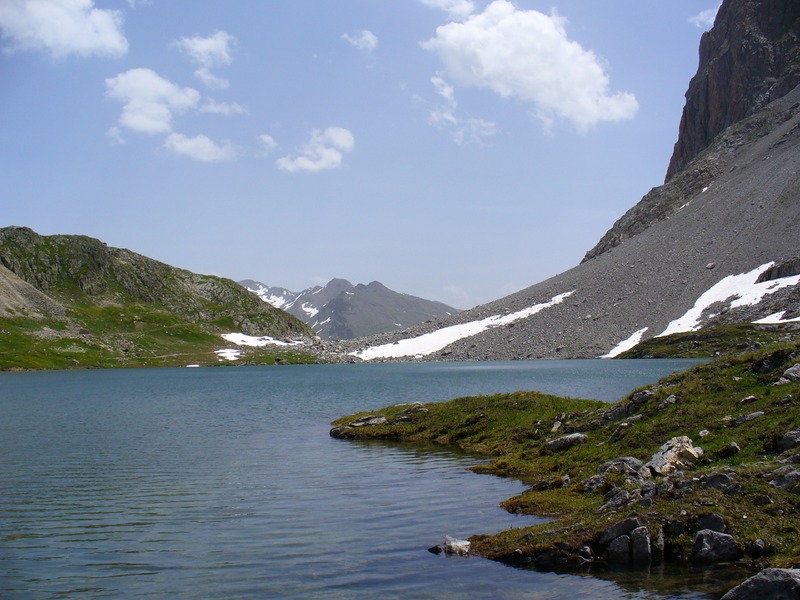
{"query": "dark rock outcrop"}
pixel 749 58
pixel 777 584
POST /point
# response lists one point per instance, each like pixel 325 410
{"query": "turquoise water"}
pixel 224 483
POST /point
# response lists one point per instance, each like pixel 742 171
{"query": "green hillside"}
pixel 72 301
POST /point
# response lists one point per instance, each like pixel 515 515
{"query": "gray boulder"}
pixel 453 546
pixel 619 551
pixel 712 547
pixel 676 454
pixel 640 546
pixel 775 584
pixel 790 440
pixel 621 528
pixel 566 442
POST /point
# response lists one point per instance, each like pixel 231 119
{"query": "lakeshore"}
pixel 699 469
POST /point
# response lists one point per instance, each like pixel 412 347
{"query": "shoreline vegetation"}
pixel 701 469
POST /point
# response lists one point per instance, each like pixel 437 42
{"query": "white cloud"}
pixel 210 80
pixel 365 40
pixel 325 150
pixel 222 108
pixel 457 9
pixel 527 55
pixel 705 19
pixel 471 130
pixel 444 89
pixel 149 100
pixel 199 148
pixel 268 141
pixel 209 52
pixel 63 27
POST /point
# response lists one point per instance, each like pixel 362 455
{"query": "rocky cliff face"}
pixel 748 59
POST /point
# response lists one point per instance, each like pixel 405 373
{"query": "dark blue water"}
pixel 224 483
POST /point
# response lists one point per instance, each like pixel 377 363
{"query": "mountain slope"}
pixel 340 310
pixel 686 252
pixel 72 300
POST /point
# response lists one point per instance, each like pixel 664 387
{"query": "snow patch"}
pixel 742 289
pixel 309 309
pixel 626 344
pixel 776 318
pixel 240 339
pixel 437 340
pixel 228 354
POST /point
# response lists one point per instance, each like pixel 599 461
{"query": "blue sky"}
pixel 455 150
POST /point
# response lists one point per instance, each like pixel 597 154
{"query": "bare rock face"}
pixel 749 58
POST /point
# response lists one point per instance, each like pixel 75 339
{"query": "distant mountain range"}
pixel 340 310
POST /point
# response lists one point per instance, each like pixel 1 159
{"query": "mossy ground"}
pixel 714 398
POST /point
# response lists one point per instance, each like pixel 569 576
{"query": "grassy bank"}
pixel 729 407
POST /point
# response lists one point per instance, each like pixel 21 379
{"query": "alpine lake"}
pixel 224 483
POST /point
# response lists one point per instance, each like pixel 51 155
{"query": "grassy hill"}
pixel 72 301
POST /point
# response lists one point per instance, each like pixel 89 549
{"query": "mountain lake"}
pixel 224 483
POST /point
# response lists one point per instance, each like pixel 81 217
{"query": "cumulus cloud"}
pixel 62 27
pixel 527 55
pixel 199 147
pixel 325 150
pixel 149 100
pixel 209 53
pixel 365 40
pixel 457 9
pixel 705 19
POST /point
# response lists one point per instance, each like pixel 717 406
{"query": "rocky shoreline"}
pixel 700 470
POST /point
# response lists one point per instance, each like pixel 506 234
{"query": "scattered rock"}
pixel 453 546
pixel 787 478
pixel 748 400
pixel 369 420
pixel 641 554
pixel 712 547
pixel 753 415
pixel 792 373
pixel 769 583
pixel 756 549
pixel 642 397
pixel 565 442
pixel 677 453
pixel 669 401
pixel 718 481
pixel 713 522
pixel 619 551
pixel 621 528
pixel 729 450
pixel 790 440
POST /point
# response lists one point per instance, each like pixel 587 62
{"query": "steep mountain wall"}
pixel 748 59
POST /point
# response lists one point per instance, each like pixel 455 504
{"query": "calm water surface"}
pixel 224 483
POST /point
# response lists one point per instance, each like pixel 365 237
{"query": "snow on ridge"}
pixel 241 339
pixel 434 341
pixel 309 309
pixel 744 290
pixel 626 344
